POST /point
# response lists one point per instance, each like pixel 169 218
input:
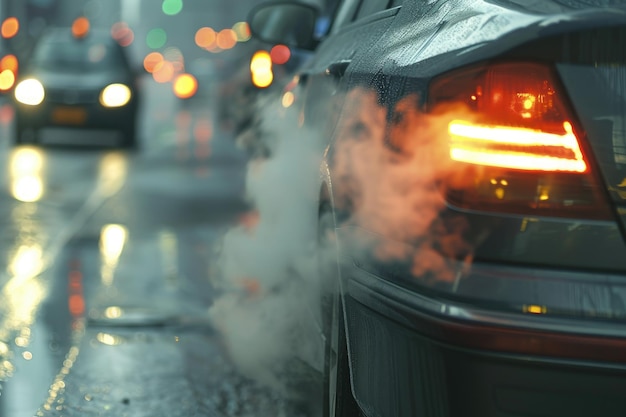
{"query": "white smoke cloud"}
pixel 268 264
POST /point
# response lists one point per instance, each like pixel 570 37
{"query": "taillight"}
pixel 513 143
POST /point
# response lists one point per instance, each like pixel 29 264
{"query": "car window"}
pixel 76 55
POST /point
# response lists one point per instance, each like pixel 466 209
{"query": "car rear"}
pixel 529 320
pixel 82 85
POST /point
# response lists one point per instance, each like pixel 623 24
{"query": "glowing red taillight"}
pixel 514 145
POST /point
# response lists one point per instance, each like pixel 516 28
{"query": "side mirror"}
pixel 289 23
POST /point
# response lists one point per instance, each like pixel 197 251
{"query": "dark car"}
pixel 78 88
pixel 473 181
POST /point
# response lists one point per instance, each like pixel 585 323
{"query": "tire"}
pixel 338 400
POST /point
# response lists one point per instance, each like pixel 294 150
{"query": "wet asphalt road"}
pixel 106 265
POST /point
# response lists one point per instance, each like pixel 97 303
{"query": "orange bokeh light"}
pixel 151 61
pixel 205 37
pixel 163 72
pixel 80 27
pixel 226 39
pixel 76 304
pixel 10 27
pixel 9 62
pixel 185 86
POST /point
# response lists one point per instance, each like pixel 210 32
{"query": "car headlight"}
pixel 30 92
pixel 115 95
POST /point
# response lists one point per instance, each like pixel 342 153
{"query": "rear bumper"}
pixel 417 355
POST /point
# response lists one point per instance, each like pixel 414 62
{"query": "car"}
pixel 79 87
pixel 470 179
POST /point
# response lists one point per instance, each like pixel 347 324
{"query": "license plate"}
pixel 69 115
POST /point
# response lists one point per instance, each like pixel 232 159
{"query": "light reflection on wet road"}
pixel 106 275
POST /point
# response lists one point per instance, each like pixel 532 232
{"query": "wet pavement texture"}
pixel 109 278
pixel 154 372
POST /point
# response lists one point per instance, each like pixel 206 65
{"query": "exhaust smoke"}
pixel 389 171
pixel 387 164
pixel 267 265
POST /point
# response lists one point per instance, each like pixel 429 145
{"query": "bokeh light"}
pixel 156 38
pixel 10 27
pixel 280 54
pixel 185 86
pixel 151 61
pixel 288 99
pixel 115 95
pixel 163 72
pixel 261 69
pixel 26 167
pixel 9 62
pixel 242 31
pixel 123 34
pixel 172 7
pixel 175 56
pixel 8 72
pixel 80 27
pixel 30 92
pixel 205 37
pixel 261 60
pixel 226 39
pixel 262 79
pixel 7 79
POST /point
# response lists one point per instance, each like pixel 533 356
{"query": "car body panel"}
pixel 401 368
pixel 524 315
